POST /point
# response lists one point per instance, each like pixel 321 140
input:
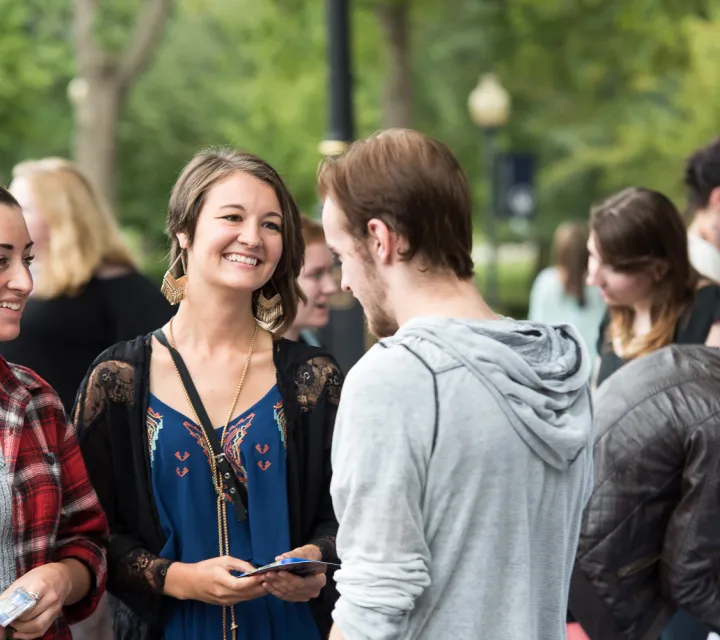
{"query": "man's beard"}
pixel 380 323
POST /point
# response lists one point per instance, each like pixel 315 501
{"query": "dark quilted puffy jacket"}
pixel 650 538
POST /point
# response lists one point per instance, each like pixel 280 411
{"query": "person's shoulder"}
pixel 547 280
pixel 292 354
pixel 704 308
pixel 548 275
pixel 312 370
pixel 388 364
pixel 29 379
pixel 707 290
pixel 128 351
pixel 42 395
pixel 663 379
pixel 111 377
pixel 116 366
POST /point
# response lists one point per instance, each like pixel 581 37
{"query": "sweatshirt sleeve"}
pixel 383 442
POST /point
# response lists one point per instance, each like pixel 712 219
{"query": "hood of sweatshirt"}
pixel 541 373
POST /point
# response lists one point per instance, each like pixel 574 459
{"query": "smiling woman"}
pixel 230 424
pixel 52 529
pixel 15 258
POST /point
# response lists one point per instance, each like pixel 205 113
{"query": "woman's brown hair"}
pixel 188 196
pixel 636 230
pixel 571 256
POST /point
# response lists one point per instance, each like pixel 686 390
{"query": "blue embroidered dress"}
pixel 255 444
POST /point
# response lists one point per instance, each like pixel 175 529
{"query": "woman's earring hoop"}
pixel 174 288
pixel 269 311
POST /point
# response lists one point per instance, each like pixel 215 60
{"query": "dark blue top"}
pixel 182 484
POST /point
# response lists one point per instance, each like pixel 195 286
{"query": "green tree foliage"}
pixel 605 93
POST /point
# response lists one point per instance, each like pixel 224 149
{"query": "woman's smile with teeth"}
pixel 15 306
pixel 236 257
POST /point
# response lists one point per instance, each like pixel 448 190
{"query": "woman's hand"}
pixel 308 552
pixel 291 588
pixel 53 583
pixel 211 582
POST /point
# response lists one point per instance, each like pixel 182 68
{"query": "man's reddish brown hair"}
pixel 415 185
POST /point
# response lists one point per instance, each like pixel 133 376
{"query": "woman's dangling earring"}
pixel 268 311
pixel 174 288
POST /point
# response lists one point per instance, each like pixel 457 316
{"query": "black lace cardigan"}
pixel 110 415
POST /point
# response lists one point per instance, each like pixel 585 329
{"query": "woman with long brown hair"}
pixel 560 294
pixel 639 260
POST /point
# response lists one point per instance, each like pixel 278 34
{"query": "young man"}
pixel 461 454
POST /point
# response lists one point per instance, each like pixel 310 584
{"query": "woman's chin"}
pixel 9 331
pixel 320 319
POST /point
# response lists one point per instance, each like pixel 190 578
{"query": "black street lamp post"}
pixel 345 334
pixel 489 105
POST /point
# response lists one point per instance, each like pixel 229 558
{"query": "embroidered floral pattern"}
pixel 154 423
pixel 234 439
pixel 111 381
pixel 197 433
pixel 279 413
pixel 314 378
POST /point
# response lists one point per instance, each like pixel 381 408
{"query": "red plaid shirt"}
pixel 56 513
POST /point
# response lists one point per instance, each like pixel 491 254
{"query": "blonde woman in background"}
pixel 560 295
pixel 317 283
pixel 88 292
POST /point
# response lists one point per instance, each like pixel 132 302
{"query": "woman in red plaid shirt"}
pixel 52 529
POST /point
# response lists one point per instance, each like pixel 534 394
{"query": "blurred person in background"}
pixel 702 179
pixel 650 541
pixel 52 529
pixel 560 294
pixel 317 283
pixel 88 292
pixel 639 260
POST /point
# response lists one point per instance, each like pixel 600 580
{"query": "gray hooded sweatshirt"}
pixel 462 462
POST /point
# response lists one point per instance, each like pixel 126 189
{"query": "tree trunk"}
pixel 102 85
pixel 394 18
pixel 95 134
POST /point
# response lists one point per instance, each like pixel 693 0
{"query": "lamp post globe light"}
pixel 489 103
pixel 489 107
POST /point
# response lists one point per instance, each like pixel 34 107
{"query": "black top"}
pixel 692 328
pixel 60 337
pixel 110 418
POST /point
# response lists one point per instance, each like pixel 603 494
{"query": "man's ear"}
pixel 381 241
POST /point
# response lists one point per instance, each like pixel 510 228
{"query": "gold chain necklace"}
pixel 223 537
